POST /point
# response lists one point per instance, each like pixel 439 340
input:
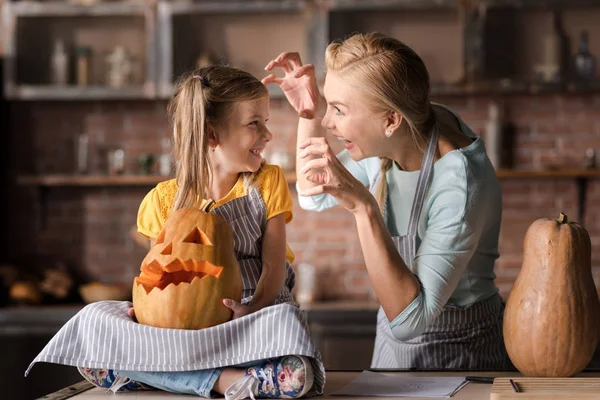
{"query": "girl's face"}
pixel 242 138
pixel 350 119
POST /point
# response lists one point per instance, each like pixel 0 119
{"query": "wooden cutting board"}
pixel 546 388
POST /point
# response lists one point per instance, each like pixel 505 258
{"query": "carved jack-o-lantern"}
pixel 187 273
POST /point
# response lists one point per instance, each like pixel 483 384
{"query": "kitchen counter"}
pixel 41 320
pixel 335 380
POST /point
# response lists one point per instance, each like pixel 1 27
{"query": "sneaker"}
pixel 288 377
pixel 108 379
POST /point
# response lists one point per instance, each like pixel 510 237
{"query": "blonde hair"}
pixel 203 99
pixel 392 77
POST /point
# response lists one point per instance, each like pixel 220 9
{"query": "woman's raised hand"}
pixel 331 177
pixel 299 83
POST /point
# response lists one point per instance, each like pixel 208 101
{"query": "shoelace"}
pixel 266 379
pixel 243 388
pixel 120 381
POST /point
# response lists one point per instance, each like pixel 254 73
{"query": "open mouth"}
pixel 256 152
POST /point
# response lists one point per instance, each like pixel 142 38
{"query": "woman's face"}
pixel 349 118
pixel 243 137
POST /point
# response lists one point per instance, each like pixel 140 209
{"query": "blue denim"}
pixel 198 382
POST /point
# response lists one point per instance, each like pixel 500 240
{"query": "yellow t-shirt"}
pixel 270 181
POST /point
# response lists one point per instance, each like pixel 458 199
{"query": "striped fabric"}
pixel 101 335
pixel 247 217
pixel 466 339
pixel 460 338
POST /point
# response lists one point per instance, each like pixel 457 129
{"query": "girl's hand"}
pixel 131 313
pixel 332 177
pixel 239 310
pixel 299 83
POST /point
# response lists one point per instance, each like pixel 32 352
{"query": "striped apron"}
pixel 459 338
pixel 101 335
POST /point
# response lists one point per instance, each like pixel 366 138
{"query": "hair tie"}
pixel 202 80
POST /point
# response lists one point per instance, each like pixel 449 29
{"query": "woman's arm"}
pixel 395 285
pixel 308 128
pixel 272 277
pixel 300 87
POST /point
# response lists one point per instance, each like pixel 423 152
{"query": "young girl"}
pixel 219 117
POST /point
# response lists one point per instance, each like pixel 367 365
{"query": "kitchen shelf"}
pixel 227 31
pixel 44 183
pixel 67 9
pixel 511 87
pixel 569 173
pixel 387 5
pixel 223 28
pixel 58 180
pixel 90 180
pixel 449 4
pixel 581 177
pixel 540 3
pixel 31 27
pixel 72 92
pixel 141 180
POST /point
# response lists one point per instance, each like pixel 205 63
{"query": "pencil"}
pixel 514 385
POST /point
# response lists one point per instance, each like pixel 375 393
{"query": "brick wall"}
pixel 89 227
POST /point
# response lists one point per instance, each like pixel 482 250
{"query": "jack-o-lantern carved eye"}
pixel 196 236
pixel 168 250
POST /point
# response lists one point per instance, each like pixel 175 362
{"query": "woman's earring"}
pixel 388 133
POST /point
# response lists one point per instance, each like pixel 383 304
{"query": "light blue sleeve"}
pixel 323 202
pixel 448 244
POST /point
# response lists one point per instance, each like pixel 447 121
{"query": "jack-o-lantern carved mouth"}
pixel 171 263
pixel 176 272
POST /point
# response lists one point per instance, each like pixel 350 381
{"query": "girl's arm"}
pixel 272 277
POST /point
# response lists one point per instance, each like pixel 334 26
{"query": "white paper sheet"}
pixel 381 384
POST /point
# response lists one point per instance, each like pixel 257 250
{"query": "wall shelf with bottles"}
pixel 178 35
pixel 63 50
pixel 491 47
pixel 244 34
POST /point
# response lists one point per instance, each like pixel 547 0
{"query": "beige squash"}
pixel 552 316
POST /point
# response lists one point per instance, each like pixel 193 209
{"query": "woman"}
pixel 424 195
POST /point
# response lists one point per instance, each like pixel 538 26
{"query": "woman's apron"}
pixel 101 335
pixel 459 338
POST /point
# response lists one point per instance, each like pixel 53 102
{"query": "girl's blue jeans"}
pixel 198 382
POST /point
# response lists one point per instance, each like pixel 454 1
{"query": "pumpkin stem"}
pixel 562 218
pixel 208 205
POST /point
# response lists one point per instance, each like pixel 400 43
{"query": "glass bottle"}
pixel 84 54
pixel 493 135
pixel 585 63
pixel 59 64
pixel 164 161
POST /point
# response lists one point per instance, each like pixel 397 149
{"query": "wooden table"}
pixel 335 380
